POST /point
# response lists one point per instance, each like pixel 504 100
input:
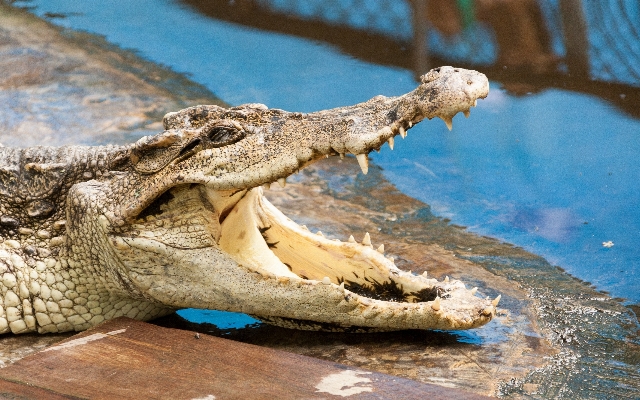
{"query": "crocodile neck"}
pixel 60 293
pixel 43 285
pixel 34 183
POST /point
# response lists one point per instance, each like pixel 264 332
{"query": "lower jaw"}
pixel 256 234
pixel 287 273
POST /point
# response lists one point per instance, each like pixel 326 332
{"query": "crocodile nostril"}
pixel 469 82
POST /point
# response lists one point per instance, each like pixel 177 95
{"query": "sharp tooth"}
pixel 424 274
pixel 342 285
pixel 364 163
pixel 436 304
pixel 319 233
pixel 367 240
pixel 390 141
pixel 352 239
pixel 304 227
pixel 496 300
pixel 342 156
pixel 466 113
pixel 266 186
pixel 475 102
pixel 326 156
pixel 282 182
pixel 446 279
pixel 410 124
pixel 403 133
pixel 488 311
pixel 381 249
pixel 474 290
pixel 326 280
pixel 448 121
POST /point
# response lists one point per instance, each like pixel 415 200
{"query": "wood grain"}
pixel 128 359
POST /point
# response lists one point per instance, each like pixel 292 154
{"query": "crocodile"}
pixel 178 220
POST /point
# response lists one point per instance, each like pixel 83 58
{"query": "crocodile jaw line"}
pixel 356 130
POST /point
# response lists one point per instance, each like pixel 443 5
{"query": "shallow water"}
pixel 554 171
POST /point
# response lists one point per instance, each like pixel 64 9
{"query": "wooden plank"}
pixel 128 359
pixel 21 391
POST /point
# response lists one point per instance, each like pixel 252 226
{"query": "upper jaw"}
pixel 279 143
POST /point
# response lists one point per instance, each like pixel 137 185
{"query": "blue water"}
pixel 555 172
pixel 221 319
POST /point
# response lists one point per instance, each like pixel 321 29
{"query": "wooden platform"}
pixel 128 359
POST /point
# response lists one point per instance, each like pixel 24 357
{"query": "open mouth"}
pixel 259 237
pixel 256 233
pixel 282 272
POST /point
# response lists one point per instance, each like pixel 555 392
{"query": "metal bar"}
pixel 574 28
pixel 419 43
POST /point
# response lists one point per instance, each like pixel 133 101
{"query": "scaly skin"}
pixel 178 220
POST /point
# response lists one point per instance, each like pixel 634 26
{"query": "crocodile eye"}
pixel 220 136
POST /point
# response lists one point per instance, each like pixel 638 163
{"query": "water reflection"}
pixel 273 336
pixel 242 327
pixel 221 319
pixel 528 45
pixel 517 30
pixel 559 225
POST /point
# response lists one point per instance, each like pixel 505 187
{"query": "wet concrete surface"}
pixel 63 87
pixel 554 336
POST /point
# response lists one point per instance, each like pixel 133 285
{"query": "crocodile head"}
pixel 186 224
